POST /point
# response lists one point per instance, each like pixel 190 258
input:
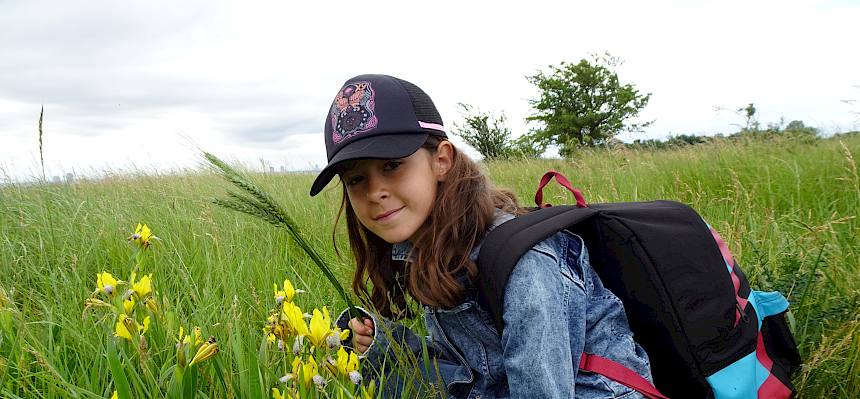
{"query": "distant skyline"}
pixel 142 85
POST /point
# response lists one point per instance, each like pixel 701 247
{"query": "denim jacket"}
pixel 555 308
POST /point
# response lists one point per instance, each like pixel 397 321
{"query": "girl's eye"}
pixel 391 165
pixel 351 181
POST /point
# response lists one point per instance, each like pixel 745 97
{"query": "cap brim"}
pixel 386 146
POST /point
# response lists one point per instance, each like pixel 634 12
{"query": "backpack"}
pixel 689 305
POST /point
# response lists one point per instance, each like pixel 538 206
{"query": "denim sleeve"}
pixel 544 334
pixel 394 348
pixel 388 337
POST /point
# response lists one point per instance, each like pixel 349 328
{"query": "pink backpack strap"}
pixel 580 200
pixel 619 373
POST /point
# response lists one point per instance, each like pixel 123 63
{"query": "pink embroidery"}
pixel 353 111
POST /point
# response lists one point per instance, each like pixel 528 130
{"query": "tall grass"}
pixel 787 208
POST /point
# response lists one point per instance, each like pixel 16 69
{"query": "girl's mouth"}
pixel 387 215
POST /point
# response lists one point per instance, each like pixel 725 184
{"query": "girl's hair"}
pixel 463 210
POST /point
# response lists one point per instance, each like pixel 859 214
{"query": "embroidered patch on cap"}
pixel 353 111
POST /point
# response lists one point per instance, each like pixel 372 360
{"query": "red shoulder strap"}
pixel 620 374
pixel 580 200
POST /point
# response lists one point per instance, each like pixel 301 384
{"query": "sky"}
pixel 145 85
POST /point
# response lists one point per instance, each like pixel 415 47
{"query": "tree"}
pixel 485 133
pixel 749 114
pixel 584 104
pixel 799 128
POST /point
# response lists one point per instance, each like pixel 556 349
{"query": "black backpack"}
pixel 688 303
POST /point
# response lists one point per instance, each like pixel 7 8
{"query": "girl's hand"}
pixel 362 334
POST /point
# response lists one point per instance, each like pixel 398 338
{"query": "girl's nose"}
pixel 376 188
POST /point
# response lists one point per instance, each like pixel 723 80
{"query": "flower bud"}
pixel 355 377
pixel 205 351
pixel 181 360
pixel 151 305
pixel 333 341
pixel 143 343
pixel 297 345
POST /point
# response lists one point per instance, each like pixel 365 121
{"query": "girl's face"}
pixel 394 197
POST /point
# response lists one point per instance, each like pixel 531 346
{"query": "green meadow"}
pixel 787 207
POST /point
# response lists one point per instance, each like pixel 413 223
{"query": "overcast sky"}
pixel 141 83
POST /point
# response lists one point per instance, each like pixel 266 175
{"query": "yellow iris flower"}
pixel 287 293
pixel 295 319
pixel 128 305
pixel 305 371
pixel 106 283
pixel 143 236
pixel 280 296
pixel 125 325
pixel 143 287
pixel 346 363
pixel 320 328
pixel 184 339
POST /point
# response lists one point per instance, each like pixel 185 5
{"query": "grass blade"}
pixel 119 379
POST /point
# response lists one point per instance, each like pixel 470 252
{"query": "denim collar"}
pixel 403 250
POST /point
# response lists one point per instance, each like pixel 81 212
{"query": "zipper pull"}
pixel 743 314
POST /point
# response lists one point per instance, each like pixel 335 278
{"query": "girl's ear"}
pixel 443 160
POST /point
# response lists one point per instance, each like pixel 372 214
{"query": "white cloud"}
pixel 253 79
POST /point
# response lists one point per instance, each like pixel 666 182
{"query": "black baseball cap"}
pixel 376 116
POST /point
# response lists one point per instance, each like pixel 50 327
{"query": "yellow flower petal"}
pixel 128 305
pixel 342 360
pixel 295 319
pixel 352 365
pixel 198 336
pixel 145 327
pixel 309 370
pixel 122 327
pixel 205 351
pixel 297 363
pixel 320 327
pixel 369 392
pixel 143 287
pixel 106 283
pixel 289 291
pixel 142 236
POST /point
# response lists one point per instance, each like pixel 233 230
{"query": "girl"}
pixel 416 212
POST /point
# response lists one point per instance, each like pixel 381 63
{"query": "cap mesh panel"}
pixel 425 111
